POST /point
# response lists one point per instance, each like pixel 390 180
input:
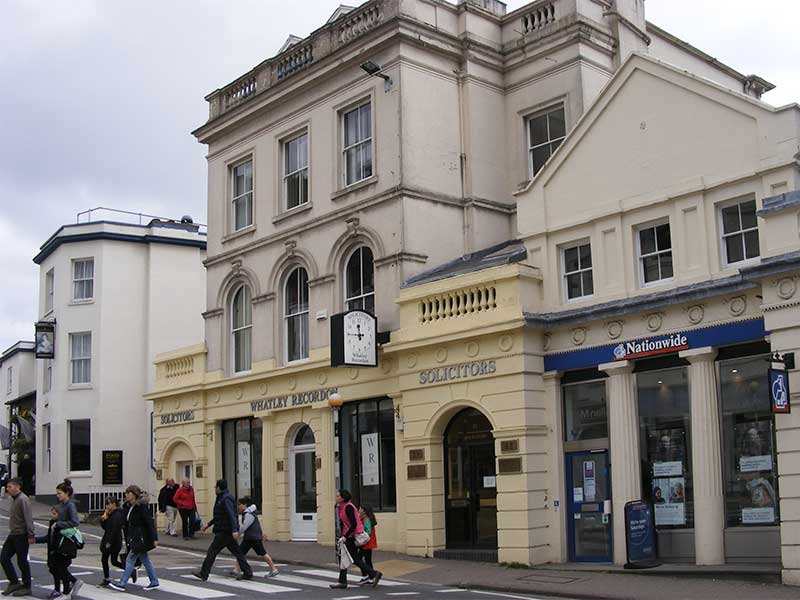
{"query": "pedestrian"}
pixel 20 535
pixel 141 538
pixel 226 533
pixel 251 536
pixel 67 519
pixel 166 505
pixel 351 526
pixel 57 563
pixel 184 500
pixel 367 516
pixel 111 544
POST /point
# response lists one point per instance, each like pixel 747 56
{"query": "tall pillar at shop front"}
pixel 623 422
pixel 268 476
pixel 326 479
pixel 709 500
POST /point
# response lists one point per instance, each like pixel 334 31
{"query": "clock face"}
pixel 359 338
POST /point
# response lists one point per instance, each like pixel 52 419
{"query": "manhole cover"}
pixel 544 578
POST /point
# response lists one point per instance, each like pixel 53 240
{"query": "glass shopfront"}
pixel 241 457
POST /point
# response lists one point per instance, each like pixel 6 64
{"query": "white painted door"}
pixel 303 486
pixel 184 472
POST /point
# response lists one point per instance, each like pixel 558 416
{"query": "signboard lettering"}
pixel 112 467
pixel 459 371
pixel 651 347
pixel 370 466
pixel 640 535
pixel 184 416
pixel 291 400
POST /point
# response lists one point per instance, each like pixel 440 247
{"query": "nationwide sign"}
pixel 651 347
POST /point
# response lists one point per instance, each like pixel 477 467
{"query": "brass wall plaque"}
pixel 159 474
pixel 509 465
pixel 417 471
pixel 279 466
pixel 416 454
pixel 318 462
pixel 198 471
pixel 508 446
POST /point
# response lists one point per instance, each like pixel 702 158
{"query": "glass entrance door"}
pixel 588 489
pixel 303 486
pixel 471 500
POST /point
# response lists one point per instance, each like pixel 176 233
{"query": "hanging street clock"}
pixel 354 339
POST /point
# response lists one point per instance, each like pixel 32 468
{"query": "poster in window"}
pixel 668 446
pixel 669 499
pixel 754 446
pixel 589 487
pixel 370 465
pixel 758 500
pixel 243 468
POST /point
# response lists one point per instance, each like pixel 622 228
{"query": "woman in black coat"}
pixel 111 544
pixel 141 537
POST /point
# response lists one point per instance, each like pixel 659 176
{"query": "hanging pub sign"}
pixel 45 346
pixel 779 391
pixel 354 339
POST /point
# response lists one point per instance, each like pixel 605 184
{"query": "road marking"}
pixel 178 568
pixel 403 594
pixel 449 591
pixel 252 586
pixel 84 573
pixel 183 589
pixel 335 575
pixel 92 592
pixel 280 578
pixel 353 598
pixel 501 595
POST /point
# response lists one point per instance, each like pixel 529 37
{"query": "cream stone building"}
pixel 398 159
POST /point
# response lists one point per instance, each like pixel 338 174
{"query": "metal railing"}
pixel 139 216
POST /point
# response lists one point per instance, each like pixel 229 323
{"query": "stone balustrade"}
pixel 295 59
pixel 454 304
pixel 182 367
pixel 359 23
pixel 538 16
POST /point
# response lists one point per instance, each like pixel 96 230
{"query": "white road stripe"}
pixel 501 595
pixel 335 575
pixel 84 573
pixel 92 592
pixel 251 586
pixel 285 577
pixel 183 589
pixel 449 591
pixel 353 598
pixel 403 594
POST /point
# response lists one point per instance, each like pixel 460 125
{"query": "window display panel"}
pixel 585 411
pixel 664 432
pixel 748 446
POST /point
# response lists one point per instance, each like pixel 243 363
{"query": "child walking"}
pixel 111 544
pixel 57 563
pixel 367 516
pixel 252 536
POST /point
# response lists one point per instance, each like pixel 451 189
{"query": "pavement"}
pixel 428 578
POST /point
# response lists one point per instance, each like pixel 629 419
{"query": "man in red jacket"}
pixel 184 500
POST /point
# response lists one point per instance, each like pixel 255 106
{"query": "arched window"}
pixel 241 329
pixel 359 281
pixel 296 311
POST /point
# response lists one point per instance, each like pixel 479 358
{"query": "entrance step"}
pixel 478 555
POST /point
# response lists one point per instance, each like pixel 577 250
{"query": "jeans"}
pixel 187 522
pixel 130 562
pixel 352 549
pixel 172 512
pixel 220 541
pixel 16 544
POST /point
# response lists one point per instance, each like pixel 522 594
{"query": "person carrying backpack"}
pixel 141 537
pixel 67 519
pixel 111 544
pixel 251 536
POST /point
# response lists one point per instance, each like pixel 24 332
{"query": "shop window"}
pixel 360 281
pixel 367 452
pixel 241 457
pixel 664 432
pixel 80 446
pixel 739 231
pixel 748 443
pixel 585 411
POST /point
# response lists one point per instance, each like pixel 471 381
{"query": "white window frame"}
pixel 565 274
pixel 658 252
pixel 362 296
pixel 47 446
pixel 10 380
pixel 287 174
pixel 550 139
pixel 73 360
pixel 49 289
pixel 360 142
pixel 69 446
pixel 245 328
pixel 235 199
pixel 83 281
pixel 722 235
pixel 47 383
pixel 300 314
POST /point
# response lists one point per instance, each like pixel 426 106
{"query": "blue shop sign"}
pixel 779 391
pixel 640 535
pixel 719 335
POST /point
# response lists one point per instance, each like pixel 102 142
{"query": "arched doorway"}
pixel 470 483
pixel 303 486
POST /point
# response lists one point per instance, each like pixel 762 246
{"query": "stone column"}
pixel 623 422
pixel 268 520
pixel 326 478
pixel 709 499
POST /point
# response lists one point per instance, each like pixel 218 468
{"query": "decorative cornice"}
pixel 321 280
pixel 214 312
pixel 401 257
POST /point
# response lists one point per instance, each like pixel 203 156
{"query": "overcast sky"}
pixel 97 99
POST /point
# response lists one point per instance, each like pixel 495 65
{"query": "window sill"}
pixel 79 474
pixel 292 212
pixel 299 361
pixel 655 284
pixel 74 302
pixel 79 386
pixel 354 187
pixel 748 262
pixel 238 234
pixel 578 299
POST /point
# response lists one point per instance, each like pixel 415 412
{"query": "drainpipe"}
pixel 467 210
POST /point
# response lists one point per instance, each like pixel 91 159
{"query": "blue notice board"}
pixel 640 535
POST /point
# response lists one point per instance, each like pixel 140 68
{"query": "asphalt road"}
pixel 174 569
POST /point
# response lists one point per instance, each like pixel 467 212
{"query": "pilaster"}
pixel 709 499
pixel 268 476
pixel 623 420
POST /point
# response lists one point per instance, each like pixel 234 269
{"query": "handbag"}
pixel 361 538
pixel 343 557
